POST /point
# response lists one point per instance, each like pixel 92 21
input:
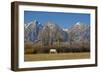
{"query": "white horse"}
pixel 53 51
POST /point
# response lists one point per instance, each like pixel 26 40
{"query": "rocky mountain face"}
pixel 31 31
pixel 79 31
pixel 51 32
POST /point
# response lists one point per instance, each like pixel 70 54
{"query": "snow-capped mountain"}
pixel 51 32
pixel 79 32
pixel 31 30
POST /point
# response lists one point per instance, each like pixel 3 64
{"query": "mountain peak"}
pixel 31 24
pixel 78 23
pixel 50 25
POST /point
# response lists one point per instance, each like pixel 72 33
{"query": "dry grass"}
pixel 59 56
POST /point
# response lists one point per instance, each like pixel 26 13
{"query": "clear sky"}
pixel 64 20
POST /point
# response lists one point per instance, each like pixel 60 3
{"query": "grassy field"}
pixel 59 56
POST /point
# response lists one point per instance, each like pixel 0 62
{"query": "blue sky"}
pixel 64 20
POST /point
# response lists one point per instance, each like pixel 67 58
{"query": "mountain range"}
pixel 51 32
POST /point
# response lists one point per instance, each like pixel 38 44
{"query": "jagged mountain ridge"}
pixel 79 32
pixel 34 31
pixel 52 32
pixel 31 31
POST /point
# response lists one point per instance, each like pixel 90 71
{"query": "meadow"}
pixel 56 56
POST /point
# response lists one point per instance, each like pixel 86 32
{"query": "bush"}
pixel 28 48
